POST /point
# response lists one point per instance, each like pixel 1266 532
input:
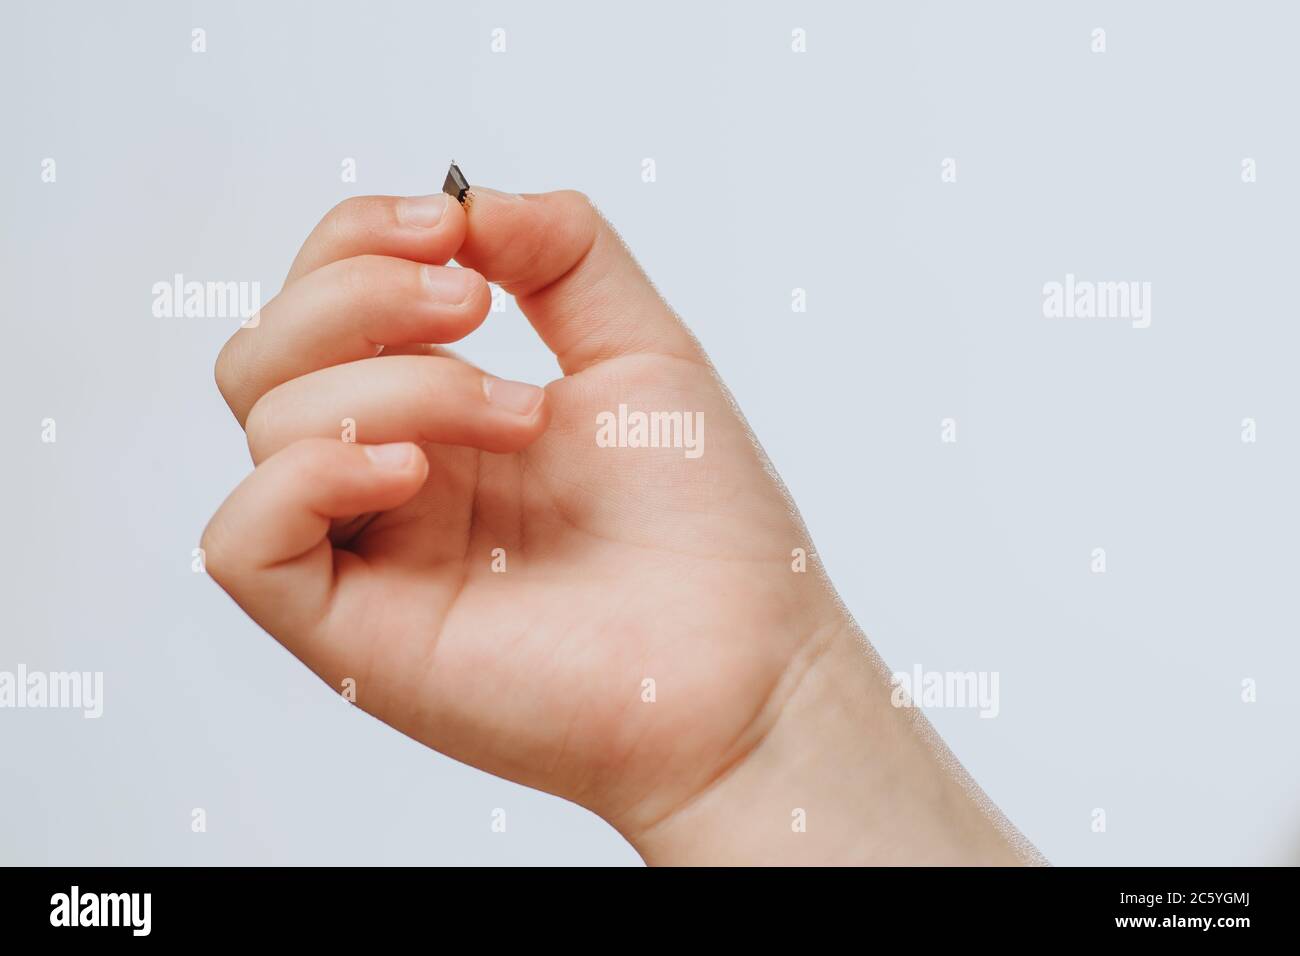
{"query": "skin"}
pixel 373 560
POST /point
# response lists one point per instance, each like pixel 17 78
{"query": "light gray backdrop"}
pixel 776 170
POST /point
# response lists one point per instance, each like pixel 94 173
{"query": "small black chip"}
pixel 457 186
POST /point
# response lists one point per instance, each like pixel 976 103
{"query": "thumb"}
pixel 572 276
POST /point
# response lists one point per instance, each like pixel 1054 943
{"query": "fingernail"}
pixel 392 457
pixel 423 211
pixel 519 398
pixel 445 284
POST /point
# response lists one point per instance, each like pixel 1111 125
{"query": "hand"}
pixel 501 587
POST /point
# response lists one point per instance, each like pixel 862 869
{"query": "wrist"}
pixel 840 777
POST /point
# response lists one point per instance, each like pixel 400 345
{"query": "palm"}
pixel 616 566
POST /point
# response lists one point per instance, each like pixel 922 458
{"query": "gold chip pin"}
pixel 457 186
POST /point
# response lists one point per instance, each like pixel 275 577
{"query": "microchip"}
pixel 457 186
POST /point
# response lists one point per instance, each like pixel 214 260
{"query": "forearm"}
pixel 840 777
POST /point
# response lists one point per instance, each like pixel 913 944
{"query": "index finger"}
pixel 421 228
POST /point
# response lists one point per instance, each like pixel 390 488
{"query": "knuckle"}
pixel 258 429
pixel 432 384
pixel 440 380
pixel 575 197
pixel 359 277
pixel 221 371
pixel 215 554
pixel 314 462
pixel 354 217
pixel 350 212
pixel 581 220
pixel 578 205
pixel 227 373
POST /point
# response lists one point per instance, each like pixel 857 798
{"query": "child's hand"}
pixel 504 589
